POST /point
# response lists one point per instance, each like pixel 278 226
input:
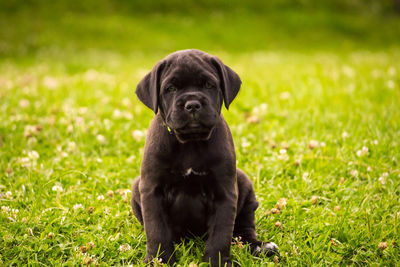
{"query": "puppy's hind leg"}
pixel 245 220
pixel 135 200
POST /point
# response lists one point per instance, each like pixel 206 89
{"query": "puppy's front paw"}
pixel 267 248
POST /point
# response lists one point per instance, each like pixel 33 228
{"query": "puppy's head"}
pixel 188 88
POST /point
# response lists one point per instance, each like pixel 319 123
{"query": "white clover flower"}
pixel 354 173
pixel 245 143
pixel 107 211
pixel 57 188
pixel 283 157
pixel 50 82
pixel 282 151
pixel 100 198
pixel 369 169
pixel 305 175
pixel 124 248
pixel 71 146
pixel 33 155
pixel 8 195
pixel 24 103
pixel 382 180
pixel 390 84
pixel 101 139
pixel 348 71
pixel 137 135
pixel 130 159
pixel 126 101
pixel 313 144
pixel 392 71
pixel 322 144
pixel 345 135
pixel 284 95
pixel 375 142
pixel 77 206
pixel 25 162
pixel 260 109
pixel 5 209
pixel 117 114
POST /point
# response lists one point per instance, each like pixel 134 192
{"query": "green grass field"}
pixel 317 122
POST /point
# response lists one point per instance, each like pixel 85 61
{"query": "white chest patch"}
pixel 191 171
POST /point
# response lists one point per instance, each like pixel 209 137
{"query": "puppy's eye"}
pixel 171 89
pixel 209 85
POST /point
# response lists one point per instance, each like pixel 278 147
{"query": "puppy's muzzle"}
pixel 192 106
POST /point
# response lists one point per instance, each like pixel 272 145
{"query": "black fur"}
pixel 189 183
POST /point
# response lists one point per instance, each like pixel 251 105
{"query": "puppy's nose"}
pixel 192 105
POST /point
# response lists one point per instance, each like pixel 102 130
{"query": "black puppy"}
pixel 189 183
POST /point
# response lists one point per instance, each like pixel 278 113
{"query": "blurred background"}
pixel 154 27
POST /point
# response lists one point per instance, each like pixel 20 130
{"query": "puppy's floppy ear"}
pixel 230 81
pixel 148 88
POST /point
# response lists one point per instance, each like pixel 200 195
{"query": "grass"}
pixel 71 131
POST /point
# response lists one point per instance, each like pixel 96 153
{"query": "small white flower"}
pixel 101 139
pixel 245 143
pixel 70 128
pixel 137 135
pixel 126 101
pixel 77 206
pixel 9 195
pixel 385 174
pixel 392 71
pixel 369 169
pixel 50 82
pixel 283 157
pixel 117 114
pixel 354 173
pixel 57 188
pixel 362 152
pixel 33 155
pixel 71 146
pixel 130 159
pixel 390 84
pixel 124 248
pixel 26 162
pixel 305 175
pixel 313 144
pixel 5 209
pixel 345 135
pixel 382 180
pixel 24 103
pixel 284 95
pixel 322 144
pixel 348 71
pixel 14 212
pixel 100 198
pixel 282 151
pixel 375 142
pixel 107 211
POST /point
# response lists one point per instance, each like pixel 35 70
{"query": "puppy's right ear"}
pixel 148 88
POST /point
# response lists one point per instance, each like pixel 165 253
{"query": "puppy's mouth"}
pixel 193 131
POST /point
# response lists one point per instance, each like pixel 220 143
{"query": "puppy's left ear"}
pixel 230 81
pixel 148 88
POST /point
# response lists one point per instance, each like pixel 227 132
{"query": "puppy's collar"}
pixel 168 128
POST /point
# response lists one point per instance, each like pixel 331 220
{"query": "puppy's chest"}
pixel 189 185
